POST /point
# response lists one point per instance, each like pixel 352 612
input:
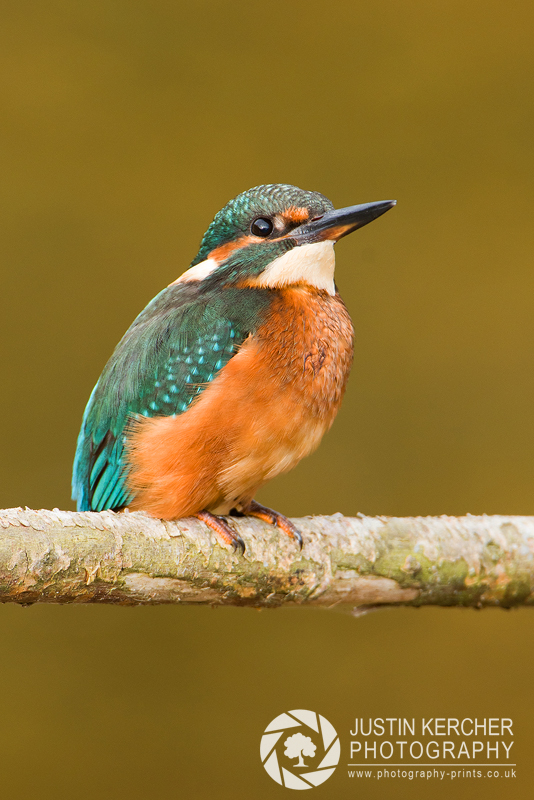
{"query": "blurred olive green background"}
pixel 124 128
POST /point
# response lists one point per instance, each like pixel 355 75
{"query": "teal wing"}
pixel 173 350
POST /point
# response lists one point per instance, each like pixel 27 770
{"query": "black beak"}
pixel 339 222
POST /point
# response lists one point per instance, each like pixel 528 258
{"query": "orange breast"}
pixel 269 407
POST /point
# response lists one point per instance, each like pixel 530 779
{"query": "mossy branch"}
pixel 128 558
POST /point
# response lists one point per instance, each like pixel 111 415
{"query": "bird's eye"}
pixel 262 227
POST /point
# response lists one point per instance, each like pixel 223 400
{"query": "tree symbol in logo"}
pixel 299 745
pixel 305 735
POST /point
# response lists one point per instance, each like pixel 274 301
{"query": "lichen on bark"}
pixel 129 558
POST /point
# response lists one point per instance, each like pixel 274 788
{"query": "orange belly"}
pixel 268 408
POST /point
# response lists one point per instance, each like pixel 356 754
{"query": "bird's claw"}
pixel 224 532
pixel 255 509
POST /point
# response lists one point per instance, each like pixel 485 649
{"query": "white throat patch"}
pixel 307 263
pixel 312 264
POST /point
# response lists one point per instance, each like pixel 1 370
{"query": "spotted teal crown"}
pixel 234 220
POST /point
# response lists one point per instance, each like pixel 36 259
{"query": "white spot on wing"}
pixel 308 263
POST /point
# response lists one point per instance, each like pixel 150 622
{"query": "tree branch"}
pixel 127 558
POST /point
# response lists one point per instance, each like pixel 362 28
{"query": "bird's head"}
pixel 275 236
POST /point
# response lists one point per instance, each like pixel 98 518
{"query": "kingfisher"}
pixel 230 375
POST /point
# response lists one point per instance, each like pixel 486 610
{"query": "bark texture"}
pixel 129 558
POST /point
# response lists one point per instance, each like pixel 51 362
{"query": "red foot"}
pixel 222 529
pixel 255 509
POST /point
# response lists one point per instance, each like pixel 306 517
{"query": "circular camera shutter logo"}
pixel 300 749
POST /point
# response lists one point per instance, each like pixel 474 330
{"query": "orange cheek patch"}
pixel 224 251
pixel 294 215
